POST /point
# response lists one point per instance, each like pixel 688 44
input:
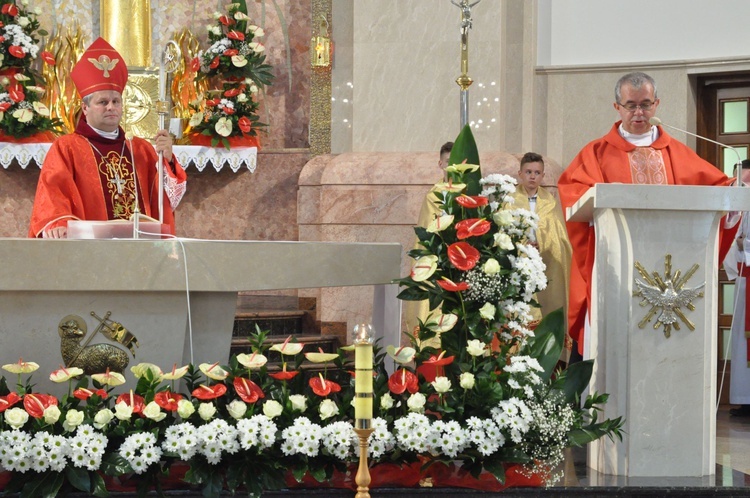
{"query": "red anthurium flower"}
pixel 472 201
pixel 230 52
pixel 247 390
pixel 463 255
pixel 84 394
pixel 433 367
pixel 452 286
pixel 232 92
pixel 323 387
pixel 245 124
pixel 15 92
pixel 195 64
pixel 8 401
pixel 226 20
pixel 10 9
pixel 403 380
pixel 472 227
pixel 4 106
pixel 132 400
pixel 167 400
pixel 48 58
pixel 283 375
pixel 35 404
pixel 228 110
pixel 16 51
pixel 214 63
pixel 205 393
pixel 439 360
pixel 236 35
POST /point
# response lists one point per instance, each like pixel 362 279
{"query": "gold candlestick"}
pixel 363 472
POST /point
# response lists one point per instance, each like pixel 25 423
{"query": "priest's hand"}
pixel 163 144
pixel 55 233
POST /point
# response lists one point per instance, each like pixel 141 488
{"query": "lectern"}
pixel 662 379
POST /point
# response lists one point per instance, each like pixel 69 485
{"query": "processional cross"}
pixel 464 81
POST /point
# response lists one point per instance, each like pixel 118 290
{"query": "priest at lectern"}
pixel 96 173
pixel 634 151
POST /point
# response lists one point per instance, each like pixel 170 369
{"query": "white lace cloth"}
pixel 195 155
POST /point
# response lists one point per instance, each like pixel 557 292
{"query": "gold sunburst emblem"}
pixel 667 295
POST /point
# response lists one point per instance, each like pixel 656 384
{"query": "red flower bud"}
pixel 195 64
pixel 214 63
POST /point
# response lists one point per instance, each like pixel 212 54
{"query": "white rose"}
pixel 123 411
pixel 475 347
pixel 502 218
pixel 416 402
pixel 51 414
pixel 466 380
pixel 253 89
pixel 237 409
pixel 153 412
pixel 299 402
pixel 73 419
pixel 441 384
pixel 487 311
pixel 22 21
pixel 206 411
pixel 328 409
pixel 242 98
pixel 16 417
pixel 491 266
pixel 502 240
pixel 185 409
pixel 386 401
pixel 102 418
pixel 272 408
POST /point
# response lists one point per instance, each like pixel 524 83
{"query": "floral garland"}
pixel 238 59
pixel 22 113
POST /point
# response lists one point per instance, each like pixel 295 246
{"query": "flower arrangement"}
pixel 237 59
pixel 22 113
pixel 477 388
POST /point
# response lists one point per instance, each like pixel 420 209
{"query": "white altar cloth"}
pixel 196 155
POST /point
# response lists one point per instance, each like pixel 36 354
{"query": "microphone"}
pixel 656 122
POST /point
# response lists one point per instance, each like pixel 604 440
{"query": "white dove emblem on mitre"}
pixel 668 299
pixel 104 63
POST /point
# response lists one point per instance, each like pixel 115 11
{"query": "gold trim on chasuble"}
pixel 117 182
pixel 647 166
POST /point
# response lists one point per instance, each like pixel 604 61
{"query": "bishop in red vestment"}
pixel 96 173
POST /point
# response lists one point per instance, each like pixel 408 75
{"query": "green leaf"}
pixel 465 150
pixel 47 486
pixel 549 337
pixel 496 468
pixel 78 477
pixel 115 465
pixel 577 377
pixel 99 488
pixel 299 472
pixel 214 485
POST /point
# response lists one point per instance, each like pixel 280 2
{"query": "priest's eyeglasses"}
pixel 644 106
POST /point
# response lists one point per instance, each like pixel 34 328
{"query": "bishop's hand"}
pixel 163 144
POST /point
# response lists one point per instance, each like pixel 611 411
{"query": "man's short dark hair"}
pixel 746 164
pixel 532 157
pixel 447 147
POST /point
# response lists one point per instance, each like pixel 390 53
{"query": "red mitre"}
pixel 100 67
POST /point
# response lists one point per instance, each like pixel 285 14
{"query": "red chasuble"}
pixel 88 177
pixel 612 159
